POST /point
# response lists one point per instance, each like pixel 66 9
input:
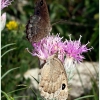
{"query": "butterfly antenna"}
pixel 68 22
pixel 28 51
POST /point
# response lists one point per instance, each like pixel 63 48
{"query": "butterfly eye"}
pixel 41 2
pixel 63 86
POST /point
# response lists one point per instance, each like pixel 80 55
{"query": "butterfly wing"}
pixel 53 82
pixel 39 24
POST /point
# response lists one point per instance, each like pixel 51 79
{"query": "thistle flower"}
pixel 69 52
pixel 74 54
pixel 48 46
pixel 75 49
pixel 5 3
pixel 3 21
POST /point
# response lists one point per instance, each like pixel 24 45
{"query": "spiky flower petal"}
pixel 5 3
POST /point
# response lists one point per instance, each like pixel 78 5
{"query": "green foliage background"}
pixel 82 18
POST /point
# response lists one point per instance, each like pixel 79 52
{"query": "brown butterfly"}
pixel 38 25
pixel 53 82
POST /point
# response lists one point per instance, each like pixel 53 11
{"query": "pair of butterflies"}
pixel 53 83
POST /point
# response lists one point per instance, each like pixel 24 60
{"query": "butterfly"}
pixel 53 81
pixel 38 25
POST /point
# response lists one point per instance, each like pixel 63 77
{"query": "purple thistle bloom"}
pixel 49 46
pixel 66 50
pixel 5 3
pixel 74 49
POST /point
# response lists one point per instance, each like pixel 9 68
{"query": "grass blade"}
pixel 80 78
pixel 15 91
pixel 20 97
pixel 8 72
pixel 5 95
pixel 7 51
pixel 33 92
pixel 81 98
pixel 35 79
pixel 8 45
